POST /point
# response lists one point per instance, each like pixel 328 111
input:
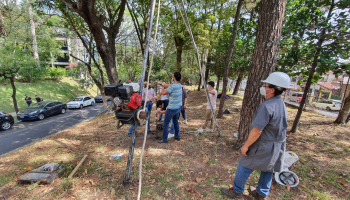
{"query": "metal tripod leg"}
pixel 131 155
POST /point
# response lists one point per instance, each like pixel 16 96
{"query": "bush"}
pixel 4 81
pixel 55 73
pixel 30 74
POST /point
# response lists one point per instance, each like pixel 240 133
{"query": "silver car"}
pixel 81 102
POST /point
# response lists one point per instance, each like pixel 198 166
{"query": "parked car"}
pixel 296 97
pixel 98 98
pixel 41 110
pixel 6 121
pixel 329 105
pixel 81 102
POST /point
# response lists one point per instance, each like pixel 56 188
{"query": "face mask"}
pixel 263 91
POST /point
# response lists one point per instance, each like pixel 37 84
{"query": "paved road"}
pixel 26 132
pixel 333 114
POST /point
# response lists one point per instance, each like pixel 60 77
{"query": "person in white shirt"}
pixel 208 115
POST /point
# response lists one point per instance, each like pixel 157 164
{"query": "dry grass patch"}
pixel 193 168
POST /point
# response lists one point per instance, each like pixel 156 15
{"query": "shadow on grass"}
pixel 47 90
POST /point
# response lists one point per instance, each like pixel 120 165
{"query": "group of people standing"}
pixel 173 102
pixel 266 143
pixel 28 100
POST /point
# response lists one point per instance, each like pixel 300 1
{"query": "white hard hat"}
pixel 278 79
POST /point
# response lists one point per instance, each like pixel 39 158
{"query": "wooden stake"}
pixel 76 168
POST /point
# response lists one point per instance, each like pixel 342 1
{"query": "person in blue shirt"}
pixel 175 102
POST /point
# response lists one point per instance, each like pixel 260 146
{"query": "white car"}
pixel 329 105
pixel 81 102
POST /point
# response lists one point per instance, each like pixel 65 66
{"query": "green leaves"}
pixel 303 24
pixel 12 59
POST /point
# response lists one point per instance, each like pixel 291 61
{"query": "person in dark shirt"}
pixel 183 107
pixel 28 100
pixel 38 99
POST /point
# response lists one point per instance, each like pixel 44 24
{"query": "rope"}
pixel 188 26
pixel 144 107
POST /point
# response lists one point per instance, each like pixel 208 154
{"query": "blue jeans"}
pixel 149 106
pixel 243 173
pixel 172 127
pixel 130 130
pixel 28 105
pixel 183 112
pixel 171 114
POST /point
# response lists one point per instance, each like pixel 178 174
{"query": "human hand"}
pixel 206 89
pixel 244 150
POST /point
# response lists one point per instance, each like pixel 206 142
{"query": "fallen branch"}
pixel 77 167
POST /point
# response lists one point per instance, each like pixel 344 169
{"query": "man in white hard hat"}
pixel 264 149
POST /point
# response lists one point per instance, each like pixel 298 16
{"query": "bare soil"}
pixel 194 168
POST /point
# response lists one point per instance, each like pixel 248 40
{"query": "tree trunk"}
pixel 200 83
pixel 204 66
pixel 179 43
pixel 344 112
pixel 95 23
pixel 2 26
pixel 218 84
pixel 238 83
pixel 311 73
pixel 32 28
pixel 206 77
pixel 228 59
pixel 347 119
pixel 14 94
pixel 271 14
pixel 343 116
pixel 178 58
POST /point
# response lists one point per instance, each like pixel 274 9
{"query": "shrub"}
pixel 55 73
pixel 30 74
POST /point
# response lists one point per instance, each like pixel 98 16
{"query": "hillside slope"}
pixel 63 91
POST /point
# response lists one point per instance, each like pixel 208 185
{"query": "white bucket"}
pixel 289 159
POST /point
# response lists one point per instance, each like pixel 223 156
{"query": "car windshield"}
pixel 77 99
pixel 37 105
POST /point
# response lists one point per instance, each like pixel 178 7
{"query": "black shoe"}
pixel 178 139
pixel 162 141
pixel 231 193
pixel 129 134
pixel 150 133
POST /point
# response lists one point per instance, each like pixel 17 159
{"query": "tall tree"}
pixel 32 29
pixel 271 15
pixel 344 113
pixel 317 41
pixel 33 24
pixel 228 59
pixel 103 19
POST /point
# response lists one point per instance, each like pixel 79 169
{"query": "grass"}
pixel 64 91
pixel 194 168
